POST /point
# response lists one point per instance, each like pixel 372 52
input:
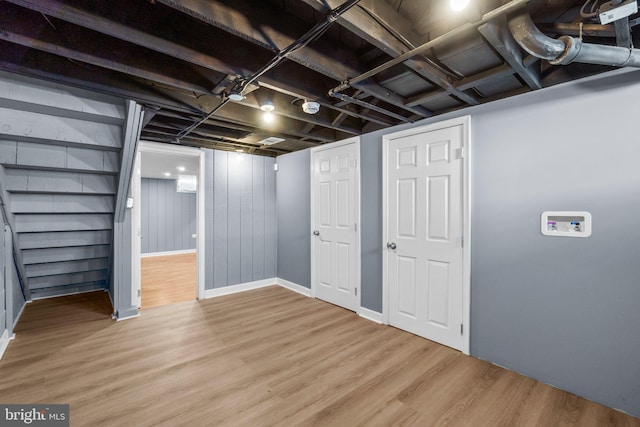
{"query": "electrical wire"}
pixel 313 34
pixel 593 11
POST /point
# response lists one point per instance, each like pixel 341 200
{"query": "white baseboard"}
pixel 4 342
pixel 374 316
pixel 120 319
pixel 294 287
pixel 183 251
pixel 228 290
pixel 20 313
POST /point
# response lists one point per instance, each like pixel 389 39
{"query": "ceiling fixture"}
pixel 310 107
pixel 458 5
pixel 166 174
pixel 239 150
pixel 267 106
pixel 235 95
pixel 268 117
pixel 181 168
pixel 270 141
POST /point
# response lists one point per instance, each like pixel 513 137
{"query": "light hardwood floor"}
pixel 168 279
pixel 268 357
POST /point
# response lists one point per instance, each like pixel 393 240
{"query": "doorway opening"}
pixel 168 221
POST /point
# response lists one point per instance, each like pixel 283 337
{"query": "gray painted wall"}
pixel 3 293
pixel 294 218
pixel 560 310
pixel 240 223
pixel 168 218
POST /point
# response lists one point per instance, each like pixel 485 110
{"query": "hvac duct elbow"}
pixel 566 50
pixel 533 40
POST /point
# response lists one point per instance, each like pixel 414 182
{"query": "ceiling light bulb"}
pixel 239 150
pixel 267 106
pixel 166 174
pixel 268 117
pixel 181 168
pixel 236 96
pixel 458 5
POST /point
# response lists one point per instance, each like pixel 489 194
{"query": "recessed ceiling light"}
pixel 166 174
pixel 239 150
pixel 267 106
pixel 268 117
pixel 458 5
pixel 236 95
pixel 181 168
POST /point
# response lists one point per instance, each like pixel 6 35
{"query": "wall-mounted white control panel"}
pixel 566 223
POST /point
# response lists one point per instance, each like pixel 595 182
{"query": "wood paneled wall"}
pixel 168 218
pixel 240 218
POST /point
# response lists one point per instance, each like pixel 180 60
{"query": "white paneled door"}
pixel 335 217
pixel 424 233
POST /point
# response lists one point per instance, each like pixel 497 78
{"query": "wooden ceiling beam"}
pixel 464 84
pixel 72 44
pixel 360 22
pixel 275 33
pixel 284 108
pixel 288 79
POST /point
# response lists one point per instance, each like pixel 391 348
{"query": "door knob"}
pixel 391 246
pixel 316 233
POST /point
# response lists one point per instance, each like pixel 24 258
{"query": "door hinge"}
pixel 460 153
pixel 355 226
pixel 356 291
pixel 461 329
pixel 462 241
pixel 138 293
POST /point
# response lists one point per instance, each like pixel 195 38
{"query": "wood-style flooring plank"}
pixel 268 357
pixel 167 279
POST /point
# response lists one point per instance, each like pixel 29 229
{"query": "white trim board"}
pixel 248 286
pixel 4 342
pixel 371 315
pixel 294 287
pixel 241 287
pixel 363 312
pixel 15 322
pixel 120 319
pixel 465 122
pixel 179 252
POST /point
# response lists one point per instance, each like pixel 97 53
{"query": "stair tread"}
pixel 58 169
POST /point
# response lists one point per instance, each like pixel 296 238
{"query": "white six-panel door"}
pixel 335 217
pixel 424 229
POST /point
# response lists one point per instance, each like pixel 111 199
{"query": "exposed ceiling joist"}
pixel 361 23
pixel 499 36
pixel 180 59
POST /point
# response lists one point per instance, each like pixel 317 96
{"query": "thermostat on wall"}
pixel 566 223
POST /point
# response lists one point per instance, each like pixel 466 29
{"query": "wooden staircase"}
pixel 60 155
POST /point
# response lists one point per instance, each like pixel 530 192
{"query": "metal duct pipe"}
pixel 566 49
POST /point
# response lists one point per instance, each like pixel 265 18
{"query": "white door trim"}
pixel 465 122
pixel 155 147
pixel 355 140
